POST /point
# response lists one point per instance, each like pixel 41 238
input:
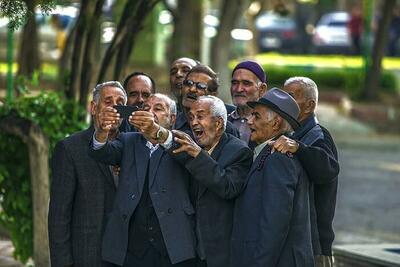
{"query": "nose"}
pixel 239 88
pixel 180 73
pixel 250 120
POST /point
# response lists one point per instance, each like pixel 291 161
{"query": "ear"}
pixel 173 119
pixel 310 106
pixel 220 124
pixel 262 89
pixel 93 106
pixel 276 126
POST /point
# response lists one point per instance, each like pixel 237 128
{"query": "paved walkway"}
pixel 6 259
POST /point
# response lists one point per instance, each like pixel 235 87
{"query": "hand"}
pixel 104 122
pixel 284 144
pixel 144 121
pixel 187 144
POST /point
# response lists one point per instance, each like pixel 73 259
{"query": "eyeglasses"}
pixel 199 85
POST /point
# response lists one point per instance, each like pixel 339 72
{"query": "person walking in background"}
pixel 355 28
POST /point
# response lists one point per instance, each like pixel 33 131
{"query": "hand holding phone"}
pixel 125 111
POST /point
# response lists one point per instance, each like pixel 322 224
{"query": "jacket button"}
pixel 133 196
pixel 169 210
pixel 124 216
pixel 163 190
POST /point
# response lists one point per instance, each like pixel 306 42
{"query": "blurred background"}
pixel 53 52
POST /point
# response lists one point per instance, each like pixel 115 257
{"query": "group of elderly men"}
pixel 196 182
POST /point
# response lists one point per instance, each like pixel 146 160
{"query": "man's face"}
pixel 206 129
pixel 161 110
pixel 138 90
pixel 192 91
pixel 261 126
pixel 177 74
pixel 109 96
pixel 295 90
pixel 244 87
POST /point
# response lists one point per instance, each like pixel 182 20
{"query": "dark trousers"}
pixel 153 258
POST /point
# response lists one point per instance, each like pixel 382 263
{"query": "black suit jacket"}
pixel 81 195
pixel 168 189
pixel 271 218
pixel 220 177
pixel 318 155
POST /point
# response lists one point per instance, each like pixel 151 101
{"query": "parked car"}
pixel 276 33
pixel 331 34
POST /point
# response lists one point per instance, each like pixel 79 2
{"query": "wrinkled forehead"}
pixel 201 106
pixel 111 91
pixel 157 100
pixel 244 74
pixel 183 62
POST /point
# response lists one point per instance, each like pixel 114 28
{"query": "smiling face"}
pixel 179 69
pixel 206 128
pixel 245 87
pixel 160 107
pixel 190 92
pixel 263 124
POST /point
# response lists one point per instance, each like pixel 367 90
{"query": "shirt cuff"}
pixel 168 143
pixel 96 144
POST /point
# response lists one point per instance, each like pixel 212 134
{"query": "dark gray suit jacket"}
pixel 82 193
pixel 271 217
pixel 168 189
pixel 220 178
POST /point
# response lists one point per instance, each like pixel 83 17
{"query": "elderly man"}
pixel 248 84
pixel 200 80
pixel 151 223
pixel 139 86
pixel 218 164
pixel 317 152
pixel 177 73
pixel 272 216
pixel 82 190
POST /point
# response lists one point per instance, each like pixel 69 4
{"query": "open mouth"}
pixel 191 97
pixel 198 133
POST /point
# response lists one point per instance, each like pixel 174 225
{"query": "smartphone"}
pixel 125 111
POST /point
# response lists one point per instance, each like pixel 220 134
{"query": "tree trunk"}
pixel 38 148
pixel 28 57
pixel 373 74
pixel 131 22
pixel 220 49
pixel 90 52
pixel 188 30
pixel 136 23
pixel 65 60
pixel 73 86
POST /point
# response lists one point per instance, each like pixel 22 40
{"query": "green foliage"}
pixel 348 80
pixel 58 118
pixel 17 12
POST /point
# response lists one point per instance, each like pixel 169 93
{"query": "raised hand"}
pixel 104 122
pixel 145 122
pixel 187 144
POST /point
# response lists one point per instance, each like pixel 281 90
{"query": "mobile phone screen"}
pixel 125 111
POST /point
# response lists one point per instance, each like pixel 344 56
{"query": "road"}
pixel 369 190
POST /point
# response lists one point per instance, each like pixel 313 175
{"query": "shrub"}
pixel 57 117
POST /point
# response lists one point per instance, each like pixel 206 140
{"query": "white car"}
pixel 331 34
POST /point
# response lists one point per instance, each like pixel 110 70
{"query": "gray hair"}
pixel 171 103
pixel 309 87
pixel 217 107
pixel 285 127
pixel 98 88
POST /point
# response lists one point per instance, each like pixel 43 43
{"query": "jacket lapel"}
pixel 260 160
pixel 215 155
pixel 142 160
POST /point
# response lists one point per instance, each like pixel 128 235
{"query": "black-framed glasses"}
pixel 199 85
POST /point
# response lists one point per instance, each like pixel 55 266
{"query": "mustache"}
pixel 191 96
pixel 239 95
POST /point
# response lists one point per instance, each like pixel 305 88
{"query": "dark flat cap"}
pixel 254 67
pixel 282 103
